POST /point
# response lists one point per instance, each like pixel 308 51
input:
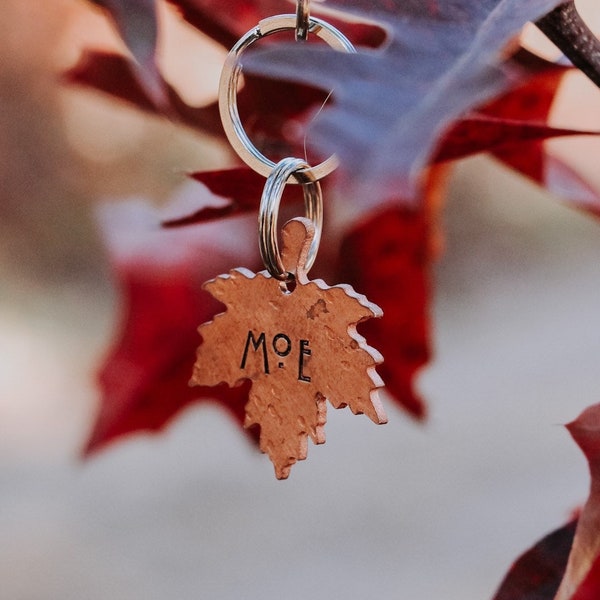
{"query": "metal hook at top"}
pixel 302 20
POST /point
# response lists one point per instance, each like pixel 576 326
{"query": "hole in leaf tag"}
pixel 287 287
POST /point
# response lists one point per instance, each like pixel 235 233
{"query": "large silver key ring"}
pixel 269 211
pixel 228 86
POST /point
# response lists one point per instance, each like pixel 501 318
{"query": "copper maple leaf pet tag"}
pixel 293 338
pixel 296 342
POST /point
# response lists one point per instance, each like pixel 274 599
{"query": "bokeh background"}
pixel 426 512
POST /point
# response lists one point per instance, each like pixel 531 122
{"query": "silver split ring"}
pixel 269 212
pixel 228 87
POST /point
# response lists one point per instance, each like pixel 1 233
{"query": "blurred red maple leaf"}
pixel 428 57
pixel 537 574
pixel 585 553
pixel 160 273
pixel 565 565
pixel 531 103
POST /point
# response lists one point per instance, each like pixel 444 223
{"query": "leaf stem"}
pixel 567 30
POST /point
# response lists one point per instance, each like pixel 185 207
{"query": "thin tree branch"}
pixel 565 27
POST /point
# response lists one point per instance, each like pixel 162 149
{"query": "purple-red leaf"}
pixel 503 136
pixel 586 545
pixel 442 60
pixel 549 571
pixel 114 74
pixel 537 574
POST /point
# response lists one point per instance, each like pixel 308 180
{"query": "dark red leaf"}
pixel 387 259
pixel 508 125
pixel 549 571
pixel 202 215
pixel 242 187
pixel 537 574
pixel 114 74
pixel 532 102
pixel 144 379
pixel 503 136
pixel 586 545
